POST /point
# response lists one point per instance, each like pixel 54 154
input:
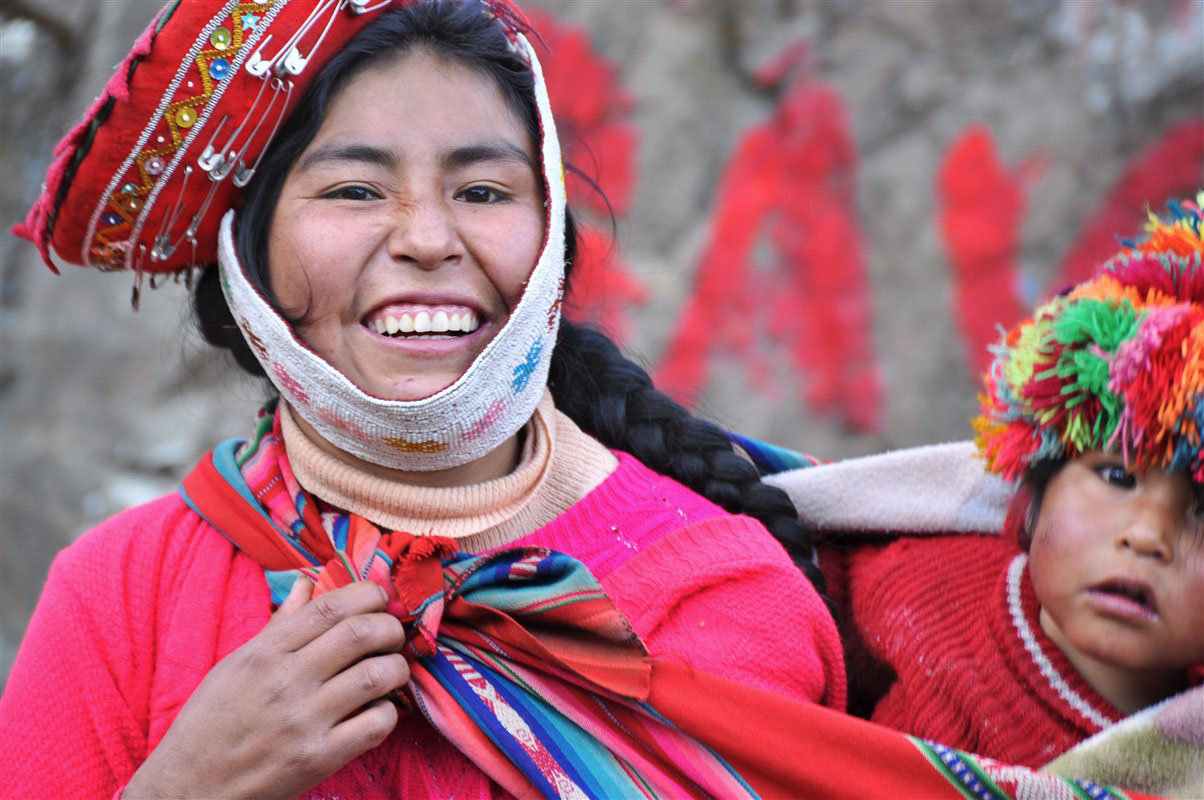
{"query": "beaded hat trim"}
pixel 1116 363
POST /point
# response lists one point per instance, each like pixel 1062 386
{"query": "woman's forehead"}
pixel 422 94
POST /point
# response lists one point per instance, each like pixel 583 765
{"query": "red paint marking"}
pixel 981 207
pixel 602 288
pixel 791 180
pixel 1171 167
pixel 592 111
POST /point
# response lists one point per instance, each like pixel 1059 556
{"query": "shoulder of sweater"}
pixel 143 537
pixel 644 486
pixel 970 557
pixel 728 574
pixel 914 578
pixel 723 544
pixel 710 552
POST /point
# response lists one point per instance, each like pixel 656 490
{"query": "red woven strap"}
pixel 225 509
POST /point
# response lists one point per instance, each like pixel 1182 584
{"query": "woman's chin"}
pixel 409 389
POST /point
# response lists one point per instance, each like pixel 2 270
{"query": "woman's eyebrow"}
pixel 382 157
pixel 486 151
pixel 336 151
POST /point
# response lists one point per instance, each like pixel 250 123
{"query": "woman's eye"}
pixel 1115 475
pixel 351 193
pixel 481 194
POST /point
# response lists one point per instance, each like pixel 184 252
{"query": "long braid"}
pixel 613 398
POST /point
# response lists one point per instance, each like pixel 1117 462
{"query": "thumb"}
pixel 297 597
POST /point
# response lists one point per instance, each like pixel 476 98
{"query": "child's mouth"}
pixel 1127 597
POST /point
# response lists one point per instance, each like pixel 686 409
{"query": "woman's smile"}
pixel 418 321
pixel 403 237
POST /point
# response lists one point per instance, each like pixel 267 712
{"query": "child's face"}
pixel 1117 562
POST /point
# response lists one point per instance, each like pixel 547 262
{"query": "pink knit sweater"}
pixel 137 611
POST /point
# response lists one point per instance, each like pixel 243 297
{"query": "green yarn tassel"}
pixel 1087 370
pixel 1103 324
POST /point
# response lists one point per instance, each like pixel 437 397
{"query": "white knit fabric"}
pixel 487 405
pixel 939 488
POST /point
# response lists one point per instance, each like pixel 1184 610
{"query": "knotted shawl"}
pixel 521 661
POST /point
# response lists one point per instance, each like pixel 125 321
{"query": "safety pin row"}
pixel 289 59
pixel 219 163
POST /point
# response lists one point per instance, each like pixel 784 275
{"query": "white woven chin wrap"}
pixel 487 405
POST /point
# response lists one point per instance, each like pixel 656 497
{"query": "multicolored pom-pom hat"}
pixel 143 181
pixel 1115 364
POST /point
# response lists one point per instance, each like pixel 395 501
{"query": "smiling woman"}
pixel 391 252
pixel 467 549
pixel 429 209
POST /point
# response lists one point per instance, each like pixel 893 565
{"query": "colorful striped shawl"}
pixel 521 661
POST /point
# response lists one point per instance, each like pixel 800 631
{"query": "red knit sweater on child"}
pixel 136 613
pixel 955 617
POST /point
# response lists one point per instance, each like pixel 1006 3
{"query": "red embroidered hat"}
pixel 142 182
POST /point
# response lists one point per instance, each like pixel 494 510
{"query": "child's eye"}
pixel 351 193
pixel 482 194
pixel 1116 475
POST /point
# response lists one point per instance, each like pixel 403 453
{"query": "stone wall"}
pixel 102 408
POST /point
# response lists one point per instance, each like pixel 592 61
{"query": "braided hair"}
pixel 591 381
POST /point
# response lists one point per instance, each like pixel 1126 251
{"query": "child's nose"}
pixel 1151 531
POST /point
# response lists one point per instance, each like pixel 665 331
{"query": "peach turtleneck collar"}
pixel 558 465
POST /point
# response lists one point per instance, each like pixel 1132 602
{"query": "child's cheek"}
pixel 1193 587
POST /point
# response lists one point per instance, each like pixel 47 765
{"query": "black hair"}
pixel 1034 483
pixel 590 380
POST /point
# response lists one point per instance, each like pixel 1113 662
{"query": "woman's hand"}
pixel 290 707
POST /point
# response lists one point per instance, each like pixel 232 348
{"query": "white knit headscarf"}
pixel 487 405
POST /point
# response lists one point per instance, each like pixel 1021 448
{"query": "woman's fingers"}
pixel 298 596
pixel 364 730
pixel 362 683
pixel 351 640
pixel 297 629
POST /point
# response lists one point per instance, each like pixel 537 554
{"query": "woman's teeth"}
pixel 424 322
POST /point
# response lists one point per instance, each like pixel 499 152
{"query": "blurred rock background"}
pixel 102 408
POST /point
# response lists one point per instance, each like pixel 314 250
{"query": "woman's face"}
pixel 406 231
pixel 1117 562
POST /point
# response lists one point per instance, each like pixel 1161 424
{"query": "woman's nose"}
pixel 423 234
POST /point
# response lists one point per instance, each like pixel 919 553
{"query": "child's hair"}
pixel 1116 363
pixel 1025 506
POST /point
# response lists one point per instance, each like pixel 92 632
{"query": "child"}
pixel 1091 605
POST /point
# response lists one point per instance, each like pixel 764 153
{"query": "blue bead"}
pixel 112 218
pixel 219 68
